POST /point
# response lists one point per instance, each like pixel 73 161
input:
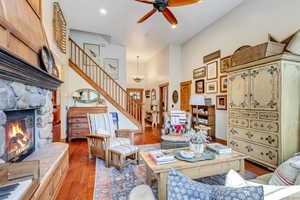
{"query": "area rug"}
pixel 112 184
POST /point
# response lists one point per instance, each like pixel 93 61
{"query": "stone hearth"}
pixel 18 96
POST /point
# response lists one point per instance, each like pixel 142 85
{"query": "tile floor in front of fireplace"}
pixel 79 182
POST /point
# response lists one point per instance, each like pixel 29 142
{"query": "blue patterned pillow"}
pixel 181 187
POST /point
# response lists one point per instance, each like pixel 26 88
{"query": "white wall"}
pixel 107 50
pixel 249 24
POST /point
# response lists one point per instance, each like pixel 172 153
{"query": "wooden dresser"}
pixel 78 123
pixel 264 109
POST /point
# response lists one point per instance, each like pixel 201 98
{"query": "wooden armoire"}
pixel 264 109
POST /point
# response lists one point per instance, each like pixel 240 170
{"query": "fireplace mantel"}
pixel 13 68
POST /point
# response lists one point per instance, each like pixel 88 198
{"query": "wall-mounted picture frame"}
pixel 175 97
pixel 212 70
pixel 212 56
pixel 225 64
pixel 147 93
pixel 221 102
pixel 93 50
pixel 223 83
pixel 111 66
pixel 153 95
pixel 200 86
pixel 211 87
pixel 199 72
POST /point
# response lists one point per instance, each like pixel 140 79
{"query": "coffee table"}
pixel 220 165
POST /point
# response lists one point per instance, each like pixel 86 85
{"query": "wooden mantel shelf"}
pixel 13 68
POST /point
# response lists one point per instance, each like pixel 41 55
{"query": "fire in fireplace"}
pixel 20 138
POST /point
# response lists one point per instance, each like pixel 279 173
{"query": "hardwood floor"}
pixel 79 182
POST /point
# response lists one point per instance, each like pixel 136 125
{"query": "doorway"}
pixel 185 95
pixel 163 101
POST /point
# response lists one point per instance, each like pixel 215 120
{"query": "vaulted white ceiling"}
pixel 147 38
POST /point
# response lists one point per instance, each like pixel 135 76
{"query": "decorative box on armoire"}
pixel 78 126
pixel 264 109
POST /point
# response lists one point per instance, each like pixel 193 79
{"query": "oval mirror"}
pixel 86 95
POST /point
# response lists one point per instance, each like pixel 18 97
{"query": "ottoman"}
pixel 173 141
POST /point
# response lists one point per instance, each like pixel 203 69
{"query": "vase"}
pixel 197 148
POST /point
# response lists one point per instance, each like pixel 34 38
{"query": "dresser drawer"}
pixel 243 114
pixel 258 137
pixel 235 122
pixel 78 120
pixel 79 126
pixel 269 116
pixel 268 126
pixel 259 152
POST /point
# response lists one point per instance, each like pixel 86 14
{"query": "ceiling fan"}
pixel 162 6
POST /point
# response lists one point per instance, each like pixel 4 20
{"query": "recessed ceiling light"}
pixel 103 11
pixel 174 26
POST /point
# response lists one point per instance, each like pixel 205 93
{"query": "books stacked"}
pixel 219 148
pixel 161 157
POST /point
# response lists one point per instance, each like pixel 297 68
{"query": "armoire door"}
pixel 239 86
pixel 264 92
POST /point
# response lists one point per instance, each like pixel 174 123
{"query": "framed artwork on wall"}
pixel 212 87
pixel 93 50
pixel 111 66
pixel 153 95
pixel 221 102
pixel 199 72
pixel 225 64
pixel 212 70
pixel 199 86
pixel 212 56
pixel 223 83
pixel 175 97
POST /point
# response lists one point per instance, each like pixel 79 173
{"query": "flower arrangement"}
pixel 197 140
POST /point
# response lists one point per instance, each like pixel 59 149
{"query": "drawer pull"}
pixel 270 155
pixel 233 132
pixel 250 135
pixel 270 139
pixel 249 148
pixel 233 143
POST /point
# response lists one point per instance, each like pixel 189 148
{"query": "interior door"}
pixel 238 88
pixel 163 100
pixel 264 93
pixel 185 95
pixel 136 93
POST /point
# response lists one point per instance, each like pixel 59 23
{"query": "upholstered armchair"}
pixel 103 136
pixel 175 117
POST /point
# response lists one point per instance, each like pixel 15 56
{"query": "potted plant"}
pixel 197 140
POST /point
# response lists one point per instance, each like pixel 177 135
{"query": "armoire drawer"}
pixel 262 153
pixel 243 114
pixel 258 137
pixel 268 126
pixel 235 122
pixel 269 116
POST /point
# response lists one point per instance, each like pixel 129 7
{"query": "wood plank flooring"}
pixel 79 182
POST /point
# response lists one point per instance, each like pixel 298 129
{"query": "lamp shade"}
pixel 197 100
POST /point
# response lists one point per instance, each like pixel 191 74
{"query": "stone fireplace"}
pixel 26 110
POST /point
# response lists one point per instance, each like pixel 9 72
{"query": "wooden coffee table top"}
pixel 183 164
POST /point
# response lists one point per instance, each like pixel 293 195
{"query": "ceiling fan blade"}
pixel 176 3
pixel 149 14
pixel 146 1
pixel 169 16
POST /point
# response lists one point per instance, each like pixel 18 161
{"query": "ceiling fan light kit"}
pixel 162 6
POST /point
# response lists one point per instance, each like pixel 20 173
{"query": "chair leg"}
pixel 107 158
pixel 137 157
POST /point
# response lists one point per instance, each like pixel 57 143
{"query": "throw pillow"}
pixel 271 192
pixel 181 187
pixel 287 172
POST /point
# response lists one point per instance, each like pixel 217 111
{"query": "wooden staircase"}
pixel 101 81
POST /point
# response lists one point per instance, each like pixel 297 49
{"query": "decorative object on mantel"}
pixel 257 52
pixel 199 72
pixel 213 56
pixel 199 86
pixel 223 83
pixel 87 96
pixel 287 41
pixel 59 27
pixel 212 87
pixel 225 63
pixel 138 78
pixel 212 70
pixel 175 97
pixel 16 69
pixel 221 102
pixel 47 59
pixel 18 173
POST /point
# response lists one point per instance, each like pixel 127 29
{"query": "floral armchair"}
pixel 176 121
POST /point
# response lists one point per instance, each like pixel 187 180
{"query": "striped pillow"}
pixel 287 172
